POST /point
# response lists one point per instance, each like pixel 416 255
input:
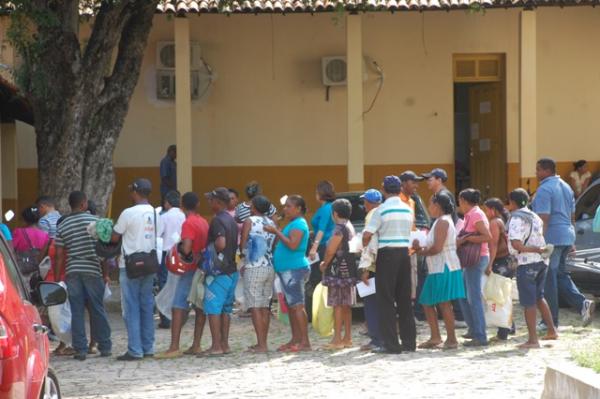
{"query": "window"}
pixel 11 268
pixel 588 203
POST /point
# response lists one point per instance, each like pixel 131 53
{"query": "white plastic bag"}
pixel 60 319
pixel 107 291
pixel 239 294
pixel 497 315
pixel 164 299
pixel 44 267
pixel 497 289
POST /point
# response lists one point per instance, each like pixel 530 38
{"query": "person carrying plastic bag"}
pixel 322 320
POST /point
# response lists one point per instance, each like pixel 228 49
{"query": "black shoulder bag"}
pixel 141 264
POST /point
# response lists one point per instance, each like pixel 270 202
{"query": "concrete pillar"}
pixel 355 132
pixel 528 100
pixel 183 105
pixel 8 163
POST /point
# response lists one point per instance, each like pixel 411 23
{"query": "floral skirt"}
pixel 442 287
pixel 341 295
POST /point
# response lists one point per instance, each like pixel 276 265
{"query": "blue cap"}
pixel 437 172
pixel 373 196
pixel 392 184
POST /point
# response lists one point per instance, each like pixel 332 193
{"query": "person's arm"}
pixel 546 219
pixel 292 242
pixel 245 234
pixel 542 205
pixel 313 250
pixel 366 238
pixel 119 228
pixel 585 184
pixel 483 235
pixel 495 232
pixel 105 271
pixel 371 228
pixel 521 248
pixel 439 238
pixel 573 184
pixel 332 247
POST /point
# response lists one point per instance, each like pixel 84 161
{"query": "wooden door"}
pixel 488 143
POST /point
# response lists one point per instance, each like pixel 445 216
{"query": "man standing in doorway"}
pixel 392 222
pixel 168 172
pixel 220 286
pixel 554 202
pixel 83 277
pixel 138 227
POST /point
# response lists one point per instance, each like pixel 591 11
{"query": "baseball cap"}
pixel 219 193
pixel 373 196
pixel 141 186
pixel 437 172
pixel 392 184
pixel 410 175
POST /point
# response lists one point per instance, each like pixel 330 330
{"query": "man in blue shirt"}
pixel 554 202
pixel 168 172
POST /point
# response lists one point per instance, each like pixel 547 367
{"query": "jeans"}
pixel 137 300
pixel 88 288
pixel 371 316
pixel 472 306
pixel 558 282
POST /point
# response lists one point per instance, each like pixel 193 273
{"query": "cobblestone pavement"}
pixel 497 371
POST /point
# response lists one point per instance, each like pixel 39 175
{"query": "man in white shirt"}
pixel 172 220
pixel 139 227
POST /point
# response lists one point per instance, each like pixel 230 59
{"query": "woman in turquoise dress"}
pixel 444 282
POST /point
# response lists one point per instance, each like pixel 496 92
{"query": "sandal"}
pixel 448 346
pixel 333 347
pixel 191 352
pixel 65 352
pixel 168 355
pixel 429 345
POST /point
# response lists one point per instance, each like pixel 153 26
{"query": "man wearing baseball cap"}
pixel 392 221
pixel 436 180
pixel 138 227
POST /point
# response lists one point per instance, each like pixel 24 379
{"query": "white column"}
pixel 355 132
pixel 528 99
pixel 183 105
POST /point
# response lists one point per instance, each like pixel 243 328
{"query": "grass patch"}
pixel 590 356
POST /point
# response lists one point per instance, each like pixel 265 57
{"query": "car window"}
pixel 11 269
pixel 588 203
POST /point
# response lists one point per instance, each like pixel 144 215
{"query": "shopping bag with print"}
pixel 497 315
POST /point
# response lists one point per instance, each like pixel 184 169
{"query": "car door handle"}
pixel 40 329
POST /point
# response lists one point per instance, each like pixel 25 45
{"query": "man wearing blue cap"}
pixel 371 199
pixel 392 221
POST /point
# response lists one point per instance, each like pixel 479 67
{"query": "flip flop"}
pixel 450 346
pixel 348 345
pixel 330 347
pixel 429 345
pixel 168 355
pixel 216 354
pixel 191 352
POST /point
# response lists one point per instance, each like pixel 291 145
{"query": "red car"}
pixel 24 346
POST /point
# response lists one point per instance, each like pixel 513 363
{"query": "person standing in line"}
pixel 243 209
pixel 84 277
pixel 138 227
pixel 499 256
pixel 580 177
pixel 168 172
pixel 445 279
pixel 410 184
pixel 554 202
pixel 371 200
pixel 392 222
pixel 29 242
pixel 526 242
pixel 219 294
pixel 5 231
pixel 234 200
pixel 194 235
pixel 292 267
pixel 476 230
pixel 48 215
pixel 172 220
pixel 256 249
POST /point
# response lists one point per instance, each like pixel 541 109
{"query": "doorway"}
pixel 480 124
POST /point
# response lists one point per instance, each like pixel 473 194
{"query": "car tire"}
pixel 50 388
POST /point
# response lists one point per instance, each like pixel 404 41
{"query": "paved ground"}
pixel 497 371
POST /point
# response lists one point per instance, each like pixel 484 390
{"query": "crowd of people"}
pixel 247 241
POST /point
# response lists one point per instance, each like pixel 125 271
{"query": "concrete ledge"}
pixel 571 381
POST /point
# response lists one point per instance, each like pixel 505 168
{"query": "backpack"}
pixel 29 259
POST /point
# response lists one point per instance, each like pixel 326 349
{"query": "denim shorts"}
pixel 219 294
pixel 293 282
pixel 184 285
pixel 530 283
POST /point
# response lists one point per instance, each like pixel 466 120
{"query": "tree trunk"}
pixel 80 98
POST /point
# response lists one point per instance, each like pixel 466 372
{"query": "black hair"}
pixel 233 191
pixel 547 164
pixel 520 197
pixel 172 147
pixel 45 200
pixel 252 189
pixel 445 202
pixel 471 195
pixel 342 207
pixel 261 204
pixel 579 164
pixel 30 215
pixel 190 201
pixel 92 208
pixel 173 198
pixel 298 202
pixel 498 206
pixel 326 191
pixel 76 199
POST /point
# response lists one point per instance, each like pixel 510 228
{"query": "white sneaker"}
pixel 588 311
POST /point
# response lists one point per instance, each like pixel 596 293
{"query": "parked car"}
pixel 24 346
pixel 584 264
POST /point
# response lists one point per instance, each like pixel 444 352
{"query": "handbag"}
pixel 469 253
pixel 141 264
pixel 29 259
pixel 343 265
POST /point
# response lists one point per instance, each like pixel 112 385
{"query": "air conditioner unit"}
pixel 165 84
pixel 165 55
pixel 334 71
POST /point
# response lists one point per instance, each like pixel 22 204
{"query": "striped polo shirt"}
pixel 48 223
pixel 72 235
pixel 392 221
